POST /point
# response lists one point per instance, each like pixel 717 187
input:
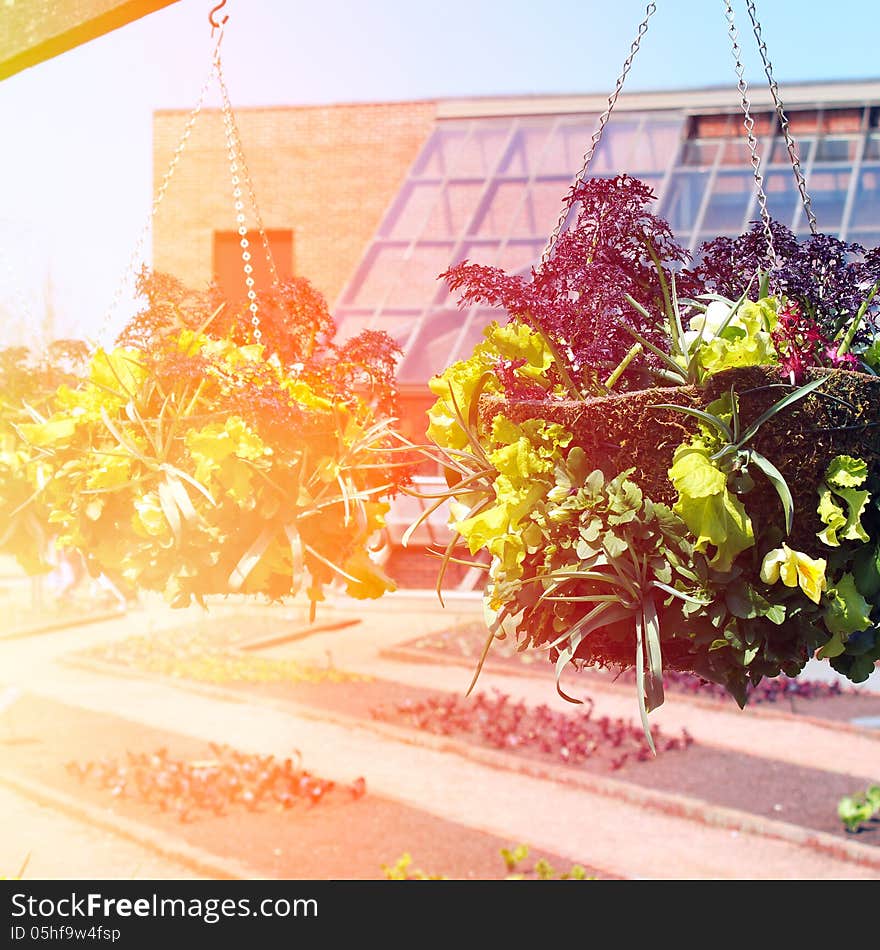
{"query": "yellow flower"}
pixel 149 520
pixel 795 569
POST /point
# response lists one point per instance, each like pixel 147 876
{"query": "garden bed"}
pixel 30 622
pixel 342 836
pixel 801 696
pixel 806 797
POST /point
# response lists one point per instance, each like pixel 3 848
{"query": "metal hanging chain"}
pixel 749 124
pixel 603 120
pixel 783 119
pixel 137 252
pixel 241 175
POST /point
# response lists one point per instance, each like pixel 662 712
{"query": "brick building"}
pixel 371 202
pixel 323 177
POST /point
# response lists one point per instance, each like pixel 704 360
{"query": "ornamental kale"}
pixel 829 281
pixel 577 298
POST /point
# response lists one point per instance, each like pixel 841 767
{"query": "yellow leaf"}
pixel 57 429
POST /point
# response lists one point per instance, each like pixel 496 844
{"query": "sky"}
pixel 76 131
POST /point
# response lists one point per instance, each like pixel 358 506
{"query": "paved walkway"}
pixel 612 834
pixel 57 847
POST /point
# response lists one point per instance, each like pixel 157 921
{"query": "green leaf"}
pixel 832 516
pixel 847 611
pixel 296 553
pixel 745 602
pixel 719 520
pixel 578 463
pixel 169 508
pixel 851 529
pixel 866 571
pixel 566 654
pixel 861 668
pixel 654 677
pixel 641 685
pixel 743 339
pixel 94 509
pixel 779 483
pixel 856 502
pixel 624 495
pixel 250 558
pixel 844 471
pixel 783 403
pixel 614 546
pixel 370 581
pixel 834 647
pixel 852 811
pixel 708 418
pixel 842 477
pixel 595 482
pixel 694 475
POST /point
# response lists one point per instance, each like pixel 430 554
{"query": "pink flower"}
pixel 840 360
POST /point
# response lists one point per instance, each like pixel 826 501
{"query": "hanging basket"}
pixel 638 434
pixel 628 431
pixel 728 528
pixel 217 447
pixel 672 466
pixel 202 467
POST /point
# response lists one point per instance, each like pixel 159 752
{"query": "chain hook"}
pixel 214 24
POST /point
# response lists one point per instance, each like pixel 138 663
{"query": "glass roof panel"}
pixel 737 154
pixel 473 331
pixel 503 205
pixel 377 274
pixel 479 252
pixel 564 151
pixel 655 145
pixel 480 152
pixel 350 323
pixel 539 213
pixel 411 209
pixel 615 149
pixel 430 351
pixel 438 156
pixel 828 189
pixel 399 325
pixel 783 199
pixel 416 281
pixel 525 152
pixel 837 149
pixel 519 255
pixel 491 190
pixel 866 208
pixel 729 202
pixel 454 211
pixel 700 153
pixel 868 239
pixel 683 200
pixel 803 149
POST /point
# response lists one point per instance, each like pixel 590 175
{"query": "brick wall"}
pixel 326 172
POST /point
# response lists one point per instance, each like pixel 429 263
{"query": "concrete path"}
pixel 57 847
pixel 612 834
